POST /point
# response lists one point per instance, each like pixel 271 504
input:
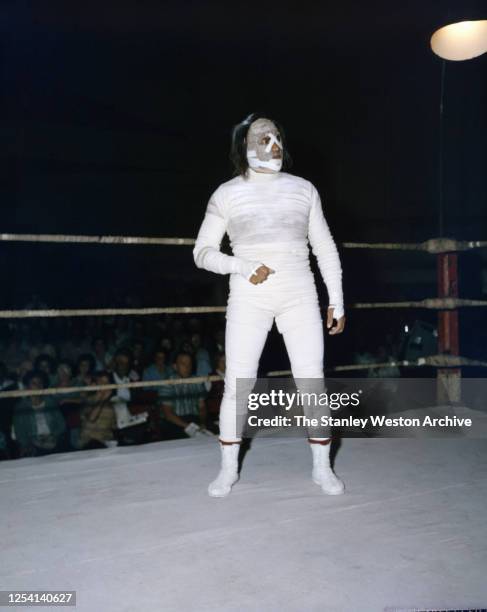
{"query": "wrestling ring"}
pixel 132 527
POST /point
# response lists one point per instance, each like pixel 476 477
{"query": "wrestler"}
pixel 270 216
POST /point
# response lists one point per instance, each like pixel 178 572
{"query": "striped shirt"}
pixel 184 398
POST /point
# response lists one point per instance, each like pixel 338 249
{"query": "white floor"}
pixel 132 529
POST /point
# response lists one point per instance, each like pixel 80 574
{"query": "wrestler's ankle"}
pixel 322 441
pixel 225 442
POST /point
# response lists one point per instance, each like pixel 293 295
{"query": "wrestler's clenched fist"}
pixel 260 275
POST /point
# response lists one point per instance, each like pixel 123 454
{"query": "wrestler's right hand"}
pixel 260 275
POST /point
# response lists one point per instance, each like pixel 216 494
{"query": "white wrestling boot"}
pixel 228 474
pixel 322 473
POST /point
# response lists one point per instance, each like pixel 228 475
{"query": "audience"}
pixel 84 351
pixel 80 352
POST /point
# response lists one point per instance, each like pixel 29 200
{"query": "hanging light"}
pixel 461 41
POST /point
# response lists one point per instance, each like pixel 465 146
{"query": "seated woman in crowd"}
pixel 85 370
pixel 98 416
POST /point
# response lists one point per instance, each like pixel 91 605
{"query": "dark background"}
pixel 116 119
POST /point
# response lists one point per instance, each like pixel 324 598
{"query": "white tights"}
pixel 244 343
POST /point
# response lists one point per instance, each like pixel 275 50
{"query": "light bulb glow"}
pixel 460 41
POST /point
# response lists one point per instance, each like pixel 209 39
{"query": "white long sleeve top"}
pixel 269 218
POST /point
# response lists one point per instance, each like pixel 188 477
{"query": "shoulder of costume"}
pixel 297 179
pixel 233 181
pixel 226 186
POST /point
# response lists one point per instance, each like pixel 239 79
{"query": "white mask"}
pixel 261 136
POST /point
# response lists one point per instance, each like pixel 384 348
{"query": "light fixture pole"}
pixel 455 42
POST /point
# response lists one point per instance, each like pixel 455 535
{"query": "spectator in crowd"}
pixel 64 375
pixel 15 351
pixel 215 393
pixel 121 332
pixel 139 360
pixel 38 424
pixel 123 373
pixel 158 370
pixel 7 405
pixel 219 339
pixel 183 405
pixel 202 356
pixel 46 364
pixel 385 391
pixel 4 450
pixel 178 333
pixel 122 362
pixel 69 403
pixel 167 345
pixel 138 328
pixel 123 366
pixel 101 355
pixel 38 345
pixel 390 370
pixel 97 416
pixel 363 356
pixel 76 344
pixel 25 366
pixel 186 346
pixel 85 370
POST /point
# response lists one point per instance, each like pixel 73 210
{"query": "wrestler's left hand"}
pixel 340 324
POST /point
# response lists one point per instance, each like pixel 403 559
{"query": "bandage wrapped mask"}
pixel 261 153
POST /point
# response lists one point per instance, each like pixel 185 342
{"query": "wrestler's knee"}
pixel 308 370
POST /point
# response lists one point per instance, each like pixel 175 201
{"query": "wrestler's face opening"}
pixel 264 146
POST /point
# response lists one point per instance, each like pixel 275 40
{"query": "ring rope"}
pixel 437 245
pixel 88 312
pixel 446 303
pixel 94 239
pixel 430 360
pixel 434 245
pixel 430 303
pixel 133 385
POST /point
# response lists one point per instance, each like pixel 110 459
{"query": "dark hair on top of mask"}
pixel 238 150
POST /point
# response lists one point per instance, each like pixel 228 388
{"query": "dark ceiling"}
pixel 116 115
